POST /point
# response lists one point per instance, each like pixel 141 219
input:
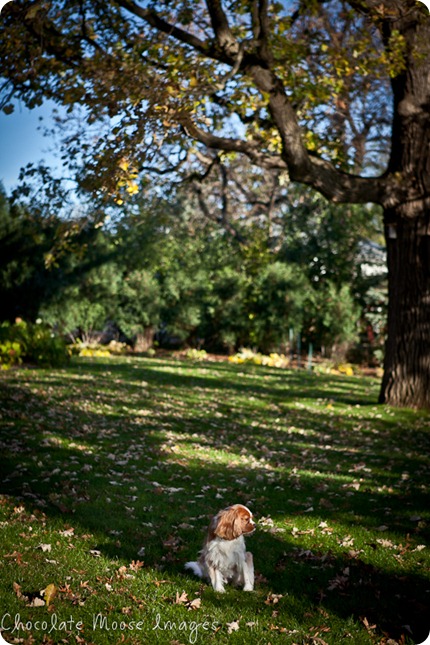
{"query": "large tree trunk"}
pixel 406 380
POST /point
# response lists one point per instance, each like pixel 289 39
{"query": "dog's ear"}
pixel 228 526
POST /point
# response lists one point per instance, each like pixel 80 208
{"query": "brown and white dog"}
pixel 224 558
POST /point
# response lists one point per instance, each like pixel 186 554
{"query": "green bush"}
pixel 32 343
pixel 10 354
pixel 196 354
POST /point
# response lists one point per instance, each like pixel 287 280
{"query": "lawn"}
pixel 112 467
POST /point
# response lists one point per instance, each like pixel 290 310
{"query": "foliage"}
pixel 333 367
pixel 10 353
pixel 166 267
pixel 84 306
pixel 139 302
pixel 333 315
pixel 32 343
pixel 278 295
pixel 111 470
pixel 187 280
pixel 196 354
pixel 83 348
pixel 329 61
pixel 246 355
pixel 39 256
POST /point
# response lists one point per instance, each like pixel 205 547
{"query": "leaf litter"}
pixel 347 460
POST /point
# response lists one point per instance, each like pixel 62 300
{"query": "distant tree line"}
pixel 165 271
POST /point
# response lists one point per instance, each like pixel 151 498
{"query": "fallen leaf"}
pixel 36 602
pixel 46 548
pixel 17 590
pixel 273 599
pixel 232 627
pixel 367 624
pixel 181 599
pixel 48 593
pixel 67 532
pixel 195 604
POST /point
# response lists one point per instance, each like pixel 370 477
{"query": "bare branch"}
pixel 223 221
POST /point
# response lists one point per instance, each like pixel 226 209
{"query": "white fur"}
pixel 224 561
pixel 195 568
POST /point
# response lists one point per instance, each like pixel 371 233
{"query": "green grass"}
pixel 119 463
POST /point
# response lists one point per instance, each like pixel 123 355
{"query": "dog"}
pixel 224 558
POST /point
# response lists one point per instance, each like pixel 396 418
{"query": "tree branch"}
pixel 152 18
pixel 260 28
pixel 223 221
pixel 314 171
pixel 224 37
pixel 248 148
pixel 319 173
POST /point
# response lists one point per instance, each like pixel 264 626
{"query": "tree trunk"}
pixel 144 340
pixel 406 380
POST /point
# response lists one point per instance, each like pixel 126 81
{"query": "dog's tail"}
pixel 195 568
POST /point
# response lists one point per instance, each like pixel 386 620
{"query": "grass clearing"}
pixel 112 467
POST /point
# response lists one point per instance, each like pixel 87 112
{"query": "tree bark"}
pixel 144 340
pixel 406 380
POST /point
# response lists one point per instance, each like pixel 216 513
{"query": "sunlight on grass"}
pixel 112 468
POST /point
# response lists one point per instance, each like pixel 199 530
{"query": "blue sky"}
pixel 22 142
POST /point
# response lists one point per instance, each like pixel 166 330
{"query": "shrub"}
pixel 249 356
pixel 32 343
pixel 278 297
pixel 196 354
pixel 82 348
pixel 10 354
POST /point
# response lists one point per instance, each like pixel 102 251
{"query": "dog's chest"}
pixel 227 554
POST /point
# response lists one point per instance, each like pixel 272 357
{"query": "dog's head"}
pixel 234 521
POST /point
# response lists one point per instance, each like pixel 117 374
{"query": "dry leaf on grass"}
pixel 232 627
pixel 36 602
pixel 49 593
pixel 67 532
pixel 182 599
pixel 273 599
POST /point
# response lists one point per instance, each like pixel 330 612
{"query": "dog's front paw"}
pixel 248 588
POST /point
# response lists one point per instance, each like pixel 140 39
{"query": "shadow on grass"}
pixel 147 475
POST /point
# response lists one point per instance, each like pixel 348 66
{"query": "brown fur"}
pixel 232 522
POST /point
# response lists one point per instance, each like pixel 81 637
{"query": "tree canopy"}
pixel 298 88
